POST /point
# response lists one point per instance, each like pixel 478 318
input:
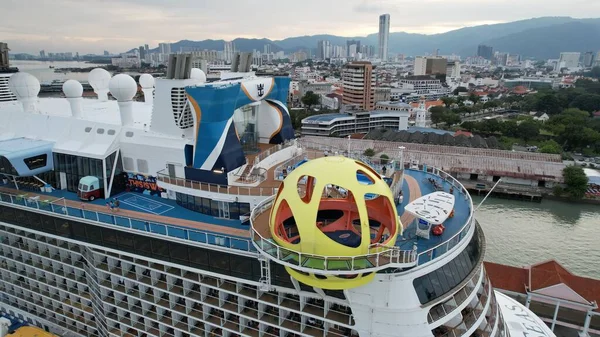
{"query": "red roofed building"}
pixel 463 133
pixel 552 292
pixel 596 114
pixel 520 90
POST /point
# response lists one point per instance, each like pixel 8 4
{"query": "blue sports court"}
pixel 144 204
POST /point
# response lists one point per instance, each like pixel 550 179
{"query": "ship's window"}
pixel 94 234
pixel 129 134
pixel 88 129
pixel 125 241
pixel 109 238
pixel 128 164
pixel 100 131
pixel 178 252
pixel 198 257
pixel 143 244
pixel 442 280
pixel 142 165
pixel 111 132
pixel 160 247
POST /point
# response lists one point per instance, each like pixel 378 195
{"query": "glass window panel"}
pixel 214 208
pixel 109 237
pixel 94 234
pixel 143 244
pixel 198 256
pixel 125 240
pixel 160 247
pixel 178 251
pixel 206 206
pixel 218 261
pixel 445 286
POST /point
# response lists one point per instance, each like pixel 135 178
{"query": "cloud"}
pixel 118 25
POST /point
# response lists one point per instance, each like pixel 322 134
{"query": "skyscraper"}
pixel 267 49
pixel 484 51
pixel 164 48
pixel 323 49
pixel 588 59
pixel 384 36
pixel 350 43
pixel 228 51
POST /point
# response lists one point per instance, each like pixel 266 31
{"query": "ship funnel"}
pixel 147 84
pixel 26 88
pixel 73 90
pixel 98 78
pixel 123 88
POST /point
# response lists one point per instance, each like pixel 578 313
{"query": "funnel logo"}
pixel 261 89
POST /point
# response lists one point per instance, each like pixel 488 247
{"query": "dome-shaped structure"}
pixel 99 78
pixel 24 85
pixel 146 81
pixel 198 74
pixel 122 87
pixel 334 207
pixel 72 89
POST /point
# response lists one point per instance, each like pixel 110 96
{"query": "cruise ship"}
pixel 196 212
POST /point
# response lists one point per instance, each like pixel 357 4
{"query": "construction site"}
pixel 517 175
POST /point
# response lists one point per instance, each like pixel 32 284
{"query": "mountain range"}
pixel 540 38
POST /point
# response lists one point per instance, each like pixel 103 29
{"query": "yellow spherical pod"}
pixel 328 215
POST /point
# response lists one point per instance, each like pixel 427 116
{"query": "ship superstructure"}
pixel 201 244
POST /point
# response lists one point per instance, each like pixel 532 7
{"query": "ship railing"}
pixel 336 144
pixel 264 154
pixel 444 247
pixel 215 188
pixel 60 206
pixel 379 256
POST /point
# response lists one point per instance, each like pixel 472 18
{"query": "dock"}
pixel 502 191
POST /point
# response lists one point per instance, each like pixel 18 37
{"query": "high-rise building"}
pixel 267 49
pixel 106 53
pixel 164 48
pixel 323 49
pixel 228 50
pixel 351 43
pixel 453 70
pixel 384 36
pixel 596 62
pixel 501 58
pixel 427 65
pixel 568 60
pixel 142 52
pixel 484 51
pixel 588 59
pixel 43 54
pixel 358 84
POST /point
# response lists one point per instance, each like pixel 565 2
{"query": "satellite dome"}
pixel 146 81
pixel 98 78
pixel 198 74
pixel 72 89
pixel 122 87
pixel 24 85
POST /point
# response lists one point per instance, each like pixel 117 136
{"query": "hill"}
pixel 542 38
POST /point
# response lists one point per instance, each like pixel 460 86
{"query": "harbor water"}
pixel 523 233
pixel 45 74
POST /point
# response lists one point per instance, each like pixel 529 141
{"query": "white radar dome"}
pixel 122 87
pixel 98 78
pixel 198 74
pixel 72 89
pixel 146 81
pixel 24 85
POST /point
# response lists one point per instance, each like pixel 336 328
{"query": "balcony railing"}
pixel 215 188
pixel 379 257
pixel 60 206
pixel 443 309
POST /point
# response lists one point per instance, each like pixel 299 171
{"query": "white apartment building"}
pixel 126 61
pixel 568 60
pixel 344 124
pixel 414 89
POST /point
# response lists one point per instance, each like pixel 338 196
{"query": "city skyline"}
pixel 121 25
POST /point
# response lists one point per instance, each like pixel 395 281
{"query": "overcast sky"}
pixel 91 26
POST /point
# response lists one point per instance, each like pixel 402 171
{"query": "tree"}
pixel 550 146
pixel 437 113
pixel 587 102
pixel 549 104
pixel 310 99
pixel 576 181
pixel 450 118
pixel 369 153
pixel 448 101
pixel 384 159
pixel 528 130
pixel 474 98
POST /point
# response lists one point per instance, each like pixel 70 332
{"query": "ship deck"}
pixel 163 216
